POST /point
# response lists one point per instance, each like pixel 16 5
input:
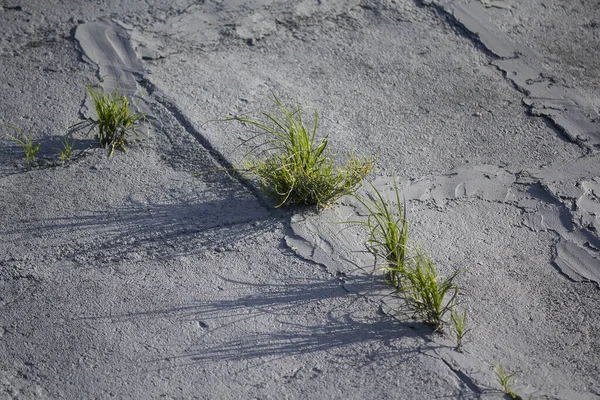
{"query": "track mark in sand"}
pixel 183 120
pixel 220 159
pixel 565 107
pixel 107 45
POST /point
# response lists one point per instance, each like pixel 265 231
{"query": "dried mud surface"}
pixel 131 277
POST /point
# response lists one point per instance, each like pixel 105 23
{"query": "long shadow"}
pixel 281 304
pixel 160 229
pixel 284 301
pixel 12 156
pixel 267 298
pixel 297 338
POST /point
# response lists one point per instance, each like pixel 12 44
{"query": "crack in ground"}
pixel 529 195
pixel 464 378
pixel 459 28
pixel 215 154
pixel 339 275
pixel 570 122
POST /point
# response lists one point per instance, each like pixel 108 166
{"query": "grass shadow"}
pixel 148 230
pixel 12 156
pixel 285 319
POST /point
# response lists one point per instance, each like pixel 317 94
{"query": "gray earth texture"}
pixel 155 274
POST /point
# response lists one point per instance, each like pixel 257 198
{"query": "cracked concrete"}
pixel 131 277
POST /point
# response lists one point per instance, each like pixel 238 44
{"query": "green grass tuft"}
pixel 459 323
pixel 426 292
pixel 292 166
pixel 67 149
pixel 506 381
pixel 26 142
pixel 115 121
pixel 388 233
pixel 408 268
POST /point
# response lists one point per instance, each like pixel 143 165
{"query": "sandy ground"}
pixel 130 277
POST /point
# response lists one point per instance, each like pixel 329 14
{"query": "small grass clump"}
pixel 408 268
pixel 426 292
pixel 459 323
pixel 116 122
pixel 67 149
pixel 292 166
pixel 26 142
pixel 506 381
pixel 388 233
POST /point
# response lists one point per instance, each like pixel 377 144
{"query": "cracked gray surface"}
pixel 436 117
pixel 129 277
pixel 547 93
pixel 570 57
pixel 500 228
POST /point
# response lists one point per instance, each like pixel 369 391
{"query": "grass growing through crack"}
pixel 388 233
pixel 67 149
pixel 459 322
pixel 116 122
pixel 26 142
pixel 506 381
pixel 408 268
pixel 292 166
pixel 426 292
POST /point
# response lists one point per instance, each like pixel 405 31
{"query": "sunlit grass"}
pixel 388 232
pixel 459 325
pixel 115 119
pixel 26 142
pixel 292 166
pixel 67 149
pixel 428 294
pixel 409 269
pixel 507 380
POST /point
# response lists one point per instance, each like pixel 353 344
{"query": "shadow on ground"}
pixel 152 229
pixel 282 319
pixel 12 155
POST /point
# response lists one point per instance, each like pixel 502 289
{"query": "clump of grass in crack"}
pixel 292 166
pixel 426 292
pixel 408 268
pixel 116 122
pixel 507 380
pixel 26 142
pixel 388 233
pixel 459 325
pixel 67 149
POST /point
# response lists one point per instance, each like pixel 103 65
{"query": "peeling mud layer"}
pixel 155 274
pixel 547 95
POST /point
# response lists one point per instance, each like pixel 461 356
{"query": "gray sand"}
pixel 130 277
